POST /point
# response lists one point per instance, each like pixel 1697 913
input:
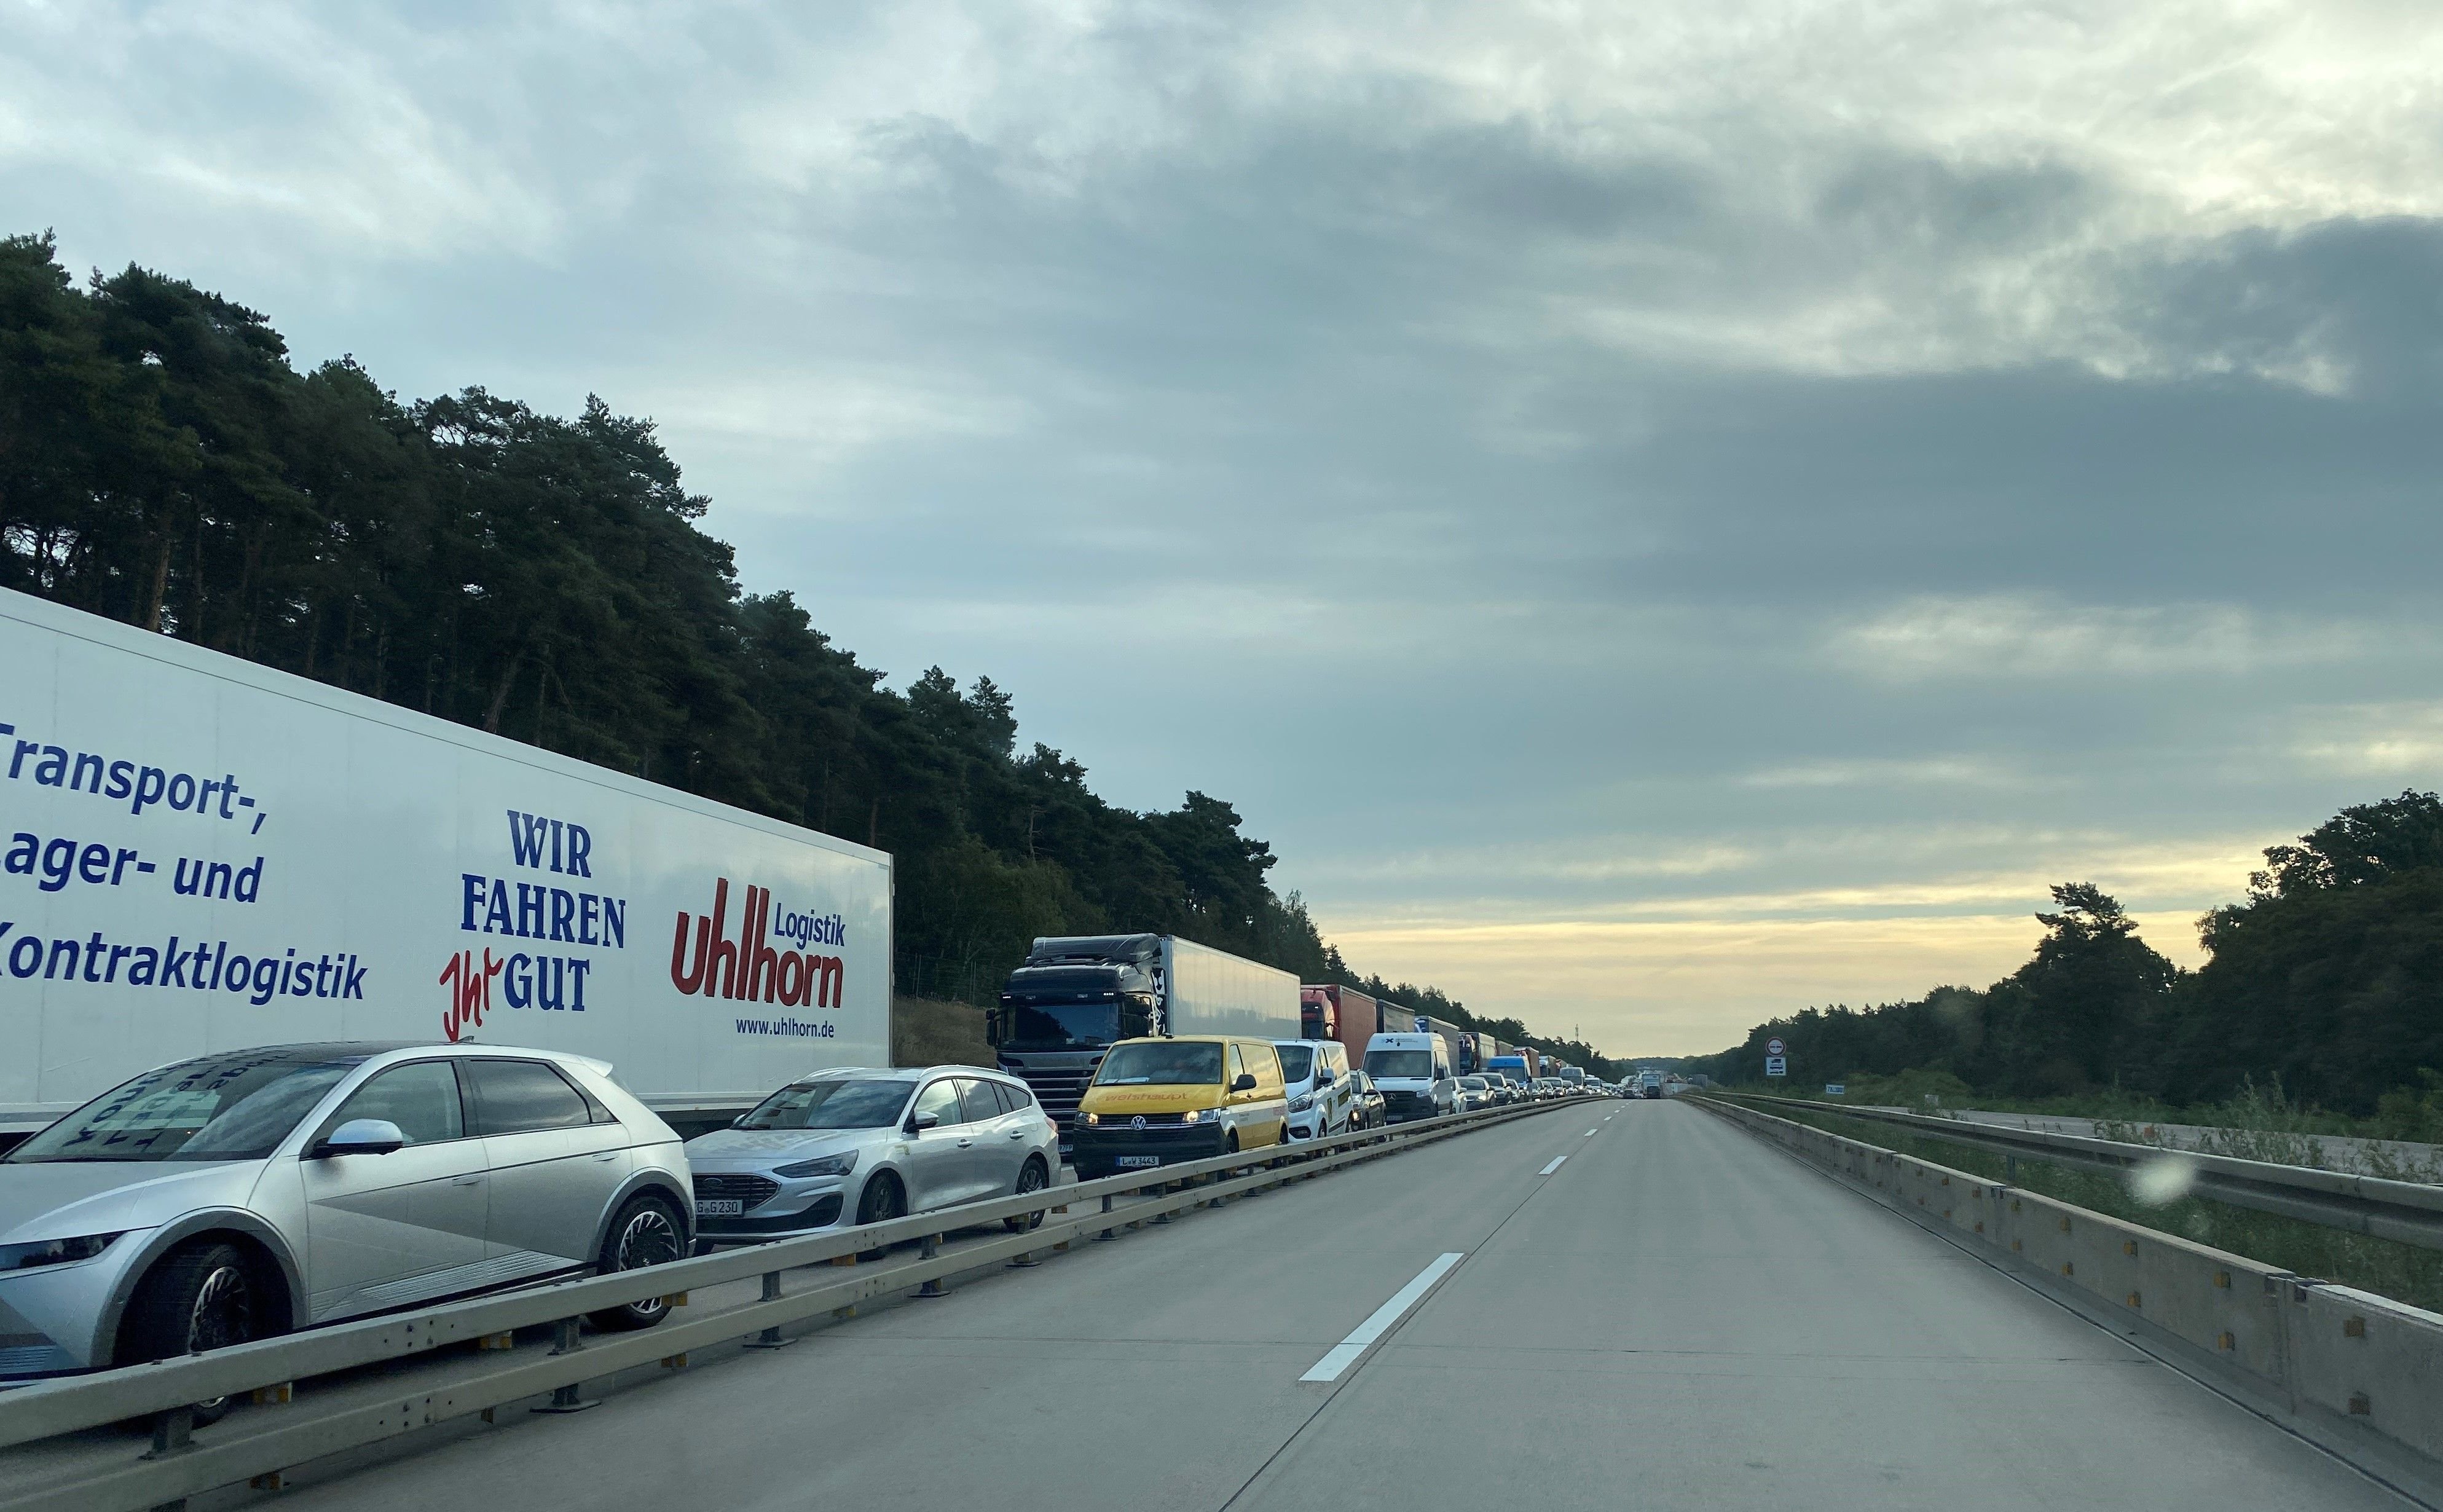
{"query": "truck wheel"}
pixel 198 1297
pixel 646 1232
pixel 1030 1179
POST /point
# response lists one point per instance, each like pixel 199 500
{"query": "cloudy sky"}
pixel 1663 513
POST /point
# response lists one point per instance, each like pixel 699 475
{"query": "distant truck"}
pixel 1477 1051
pixel 217 856
pixel 1353 1018
pixel 1331 1011
pixel 1454 1036
pixel 1076 996
pixel 1574 1076
pixel 1514 1066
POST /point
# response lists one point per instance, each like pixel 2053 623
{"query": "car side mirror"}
pixel 1246 1083
pixel 361 1137
pixel 918 1123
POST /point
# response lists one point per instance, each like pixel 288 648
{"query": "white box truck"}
pixel 1075 995
pixel 200 853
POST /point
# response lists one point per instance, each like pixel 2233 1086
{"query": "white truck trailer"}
pixel 201 854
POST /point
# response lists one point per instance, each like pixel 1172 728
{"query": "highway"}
pixel 1676 1315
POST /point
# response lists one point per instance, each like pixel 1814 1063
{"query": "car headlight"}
pixel 1203 1115
pixel 53 1251
pixel 828 1166
pixel 1303 1102
pixel 1089 1119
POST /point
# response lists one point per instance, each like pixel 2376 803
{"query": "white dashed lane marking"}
pixel 1345 1354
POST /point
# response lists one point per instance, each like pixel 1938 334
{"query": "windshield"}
pixel 1296 1060
pixel 1417 1064
pixel 1473 1084
pixel 830 1105
pixel 1161 1063
pixel 230 1107
pixel 1064 1023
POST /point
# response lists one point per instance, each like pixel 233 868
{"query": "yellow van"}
pixel 1159 1103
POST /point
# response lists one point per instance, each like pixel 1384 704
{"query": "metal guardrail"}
pixel 2405 1211
pixel 258 1446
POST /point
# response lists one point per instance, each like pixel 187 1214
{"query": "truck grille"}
pixel 1059 1091
pixel 748 1191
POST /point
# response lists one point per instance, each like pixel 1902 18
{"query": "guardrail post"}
pixel 1106 1233
pixel 2011 1168
pixel 565 1398
pixel 929 1250
pixel 173 1432
pixel 770 1338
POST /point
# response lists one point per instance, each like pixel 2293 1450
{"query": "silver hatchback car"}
pixel 871 1145
pixel 246 1193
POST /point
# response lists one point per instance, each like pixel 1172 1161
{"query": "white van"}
pixel 1413 1072
pixel 1314 1073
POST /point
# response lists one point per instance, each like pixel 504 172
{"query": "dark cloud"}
pixel 2355 304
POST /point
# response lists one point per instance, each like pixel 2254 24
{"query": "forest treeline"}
pixel 546 578
pixel 2324 985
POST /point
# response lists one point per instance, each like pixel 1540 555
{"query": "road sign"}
pixel 1775 1066
pixel 1834 1089
pixel 1774 1049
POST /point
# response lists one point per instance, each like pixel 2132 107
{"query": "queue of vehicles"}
pixel 320 1001
pixel 245 1194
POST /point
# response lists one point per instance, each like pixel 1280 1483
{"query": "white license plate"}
pixel 1124 1161
pixel 719 1206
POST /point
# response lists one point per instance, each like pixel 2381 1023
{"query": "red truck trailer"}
pixel 1333 1012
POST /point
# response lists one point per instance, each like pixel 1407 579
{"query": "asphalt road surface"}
pixel 1675 1316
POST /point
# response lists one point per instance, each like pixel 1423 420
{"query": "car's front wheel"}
pixel 198 1297
pixel 646 1232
